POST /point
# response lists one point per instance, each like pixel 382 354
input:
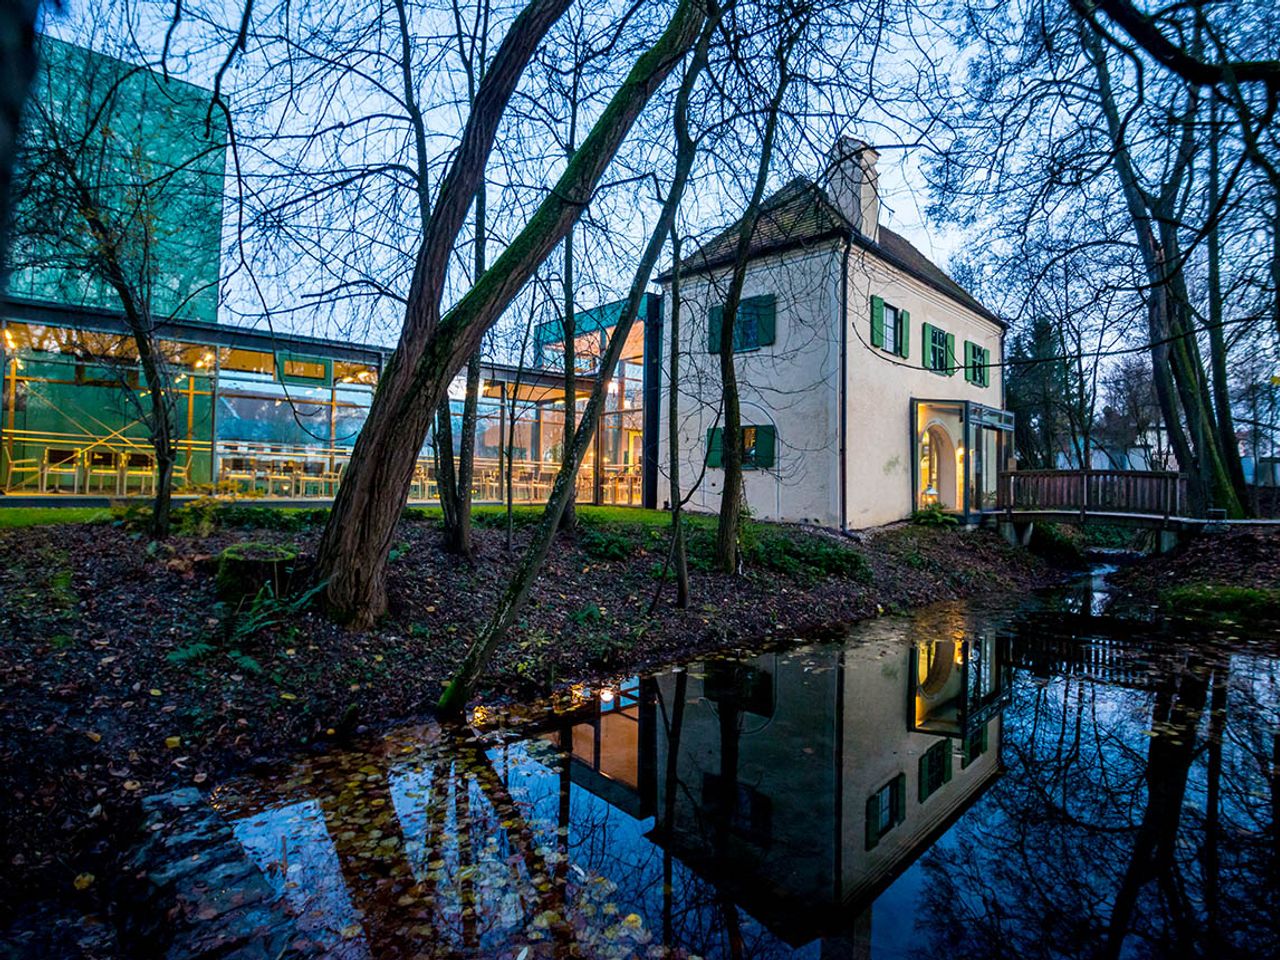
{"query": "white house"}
pixel 870 380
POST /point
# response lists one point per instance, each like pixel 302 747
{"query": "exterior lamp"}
pixel 606 695
pixel 930 495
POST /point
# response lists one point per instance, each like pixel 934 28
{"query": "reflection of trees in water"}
pixel 1134 824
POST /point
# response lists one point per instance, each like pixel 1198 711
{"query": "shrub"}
pixel 934 516
pixel 808 556
pixel 605 543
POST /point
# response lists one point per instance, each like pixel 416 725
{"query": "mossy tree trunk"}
pixel 433 348
pixel 512 602
pixel 1178 370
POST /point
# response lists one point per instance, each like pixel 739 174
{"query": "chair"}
pixel 285 475
pixel 142 468
pixel 60 463
pixel 28 467
pixel 104 466
pixel 238 470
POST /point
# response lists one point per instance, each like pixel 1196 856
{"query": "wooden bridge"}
pixel 1144 498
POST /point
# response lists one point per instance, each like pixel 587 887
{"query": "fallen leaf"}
pixel 132 785
pixel 94 735
pixel 173 742
pixel 84 881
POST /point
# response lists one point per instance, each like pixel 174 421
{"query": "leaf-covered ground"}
pixel 1234 566
pixel 121 674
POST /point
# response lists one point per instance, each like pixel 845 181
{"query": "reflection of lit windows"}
pixel 748 811
pixel 935 769
pixel 886 808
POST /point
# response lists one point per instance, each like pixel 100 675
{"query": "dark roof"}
pixel 802 215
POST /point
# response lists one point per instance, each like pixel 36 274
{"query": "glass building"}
pixel 260 414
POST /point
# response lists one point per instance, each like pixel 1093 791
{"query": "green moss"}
pixel 1217 599
pixel 245 568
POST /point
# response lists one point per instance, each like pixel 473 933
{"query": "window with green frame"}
pixel 759 446
pixel 975 745
pixel 756 325
pixel 889 328
pixel 303 370
pixel 935 769
pixel 886 808
pixel 939 349
pixel 977 362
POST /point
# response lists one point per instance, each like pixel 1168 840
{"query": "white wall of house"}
pixel 791 384
pixel 881 385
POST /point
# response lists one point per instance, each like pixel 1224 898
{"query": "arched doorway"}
pixel 937 469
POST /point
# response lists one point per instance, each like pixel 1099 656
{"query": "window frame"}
pixel 894 801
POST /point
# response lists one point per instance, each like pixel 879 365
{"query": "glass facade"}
pixel 75 413
pixel 960 449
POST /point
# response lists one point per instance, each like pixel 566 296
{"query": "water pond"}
pixel 1045 780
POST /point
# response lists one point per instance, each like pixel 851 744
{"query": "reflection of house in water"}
pixel 765 801
pixel 806 783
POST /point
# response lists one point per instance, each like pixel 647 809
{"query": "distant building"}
pixel 870 381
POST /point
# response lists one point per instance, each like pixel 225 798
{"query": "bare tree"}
pixel 514 597
pixel 433 346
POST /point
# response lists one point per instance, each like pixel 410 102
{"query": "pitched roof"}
pixel 800 215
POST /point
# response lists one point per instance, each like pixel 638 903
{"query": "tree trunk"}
pixel 446 474
pixel 513 599
pixel 1178 372
pixel 1217 335
pixel 731 432
pixel 353 551
pixel 570 333
pixel 680 555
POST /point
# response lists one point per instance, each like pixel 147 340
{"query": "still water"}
pixel 959 782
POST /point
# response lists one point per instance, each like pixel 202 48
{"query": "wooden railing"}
pixel 1150 493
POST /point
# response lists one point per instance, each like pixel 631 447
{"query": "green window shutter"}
pixel 985 372
pixel 900 798
pixel 877 322
pixel 765 310
pixel 715 446
pixel 873 814
pixel 922 778
pixel 904 333
pixel 951 354
pixel 715 324
pixel 926 345
pixel 766 443
pixel 968 361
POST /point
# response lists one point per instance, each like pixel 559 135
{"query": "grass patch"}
pixel 40 516
pixel 1217 599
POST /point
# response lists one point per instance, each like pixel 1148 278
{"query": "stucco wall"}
pixel 881 386
pixel 791 384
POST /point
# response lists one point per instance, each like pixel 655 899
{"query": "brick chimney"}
pixel 852 184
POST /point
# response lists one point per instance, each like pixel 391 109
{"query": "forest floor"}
pixel 121 673
pixel 1235 572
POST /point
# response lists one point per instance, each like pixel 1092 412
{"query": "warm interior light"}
pixel 606 695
